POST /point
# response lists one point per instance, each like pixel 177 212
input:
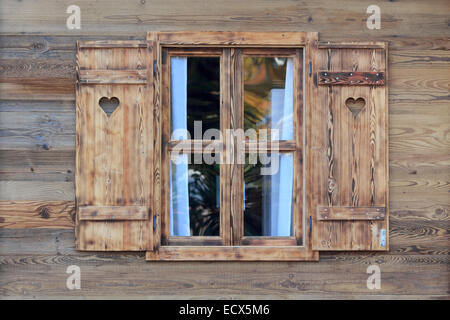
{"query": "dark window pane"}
pixel 268 196
pixel 268 96
pixel 195 198
pixel 195 84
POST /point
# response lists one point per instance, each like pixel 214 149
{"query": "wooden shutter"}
pixel 114 147
pixel 347 146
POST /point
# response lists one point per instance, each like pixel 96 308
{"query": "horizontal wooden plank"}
pixel 37 214
pixel 268 146
pixel 332 19
pixel 188 146
pixel 407 237
pixel 37 130
pixel 112 44
pixel 350 78
pixel 61 67
pixel 37 106
pixel 33 264
pixel 32 64
pixel 212 38
pixel 37 89
pixel 59 48
pixel 113 76
pixel 30 165
pixel 216 145
pixel 268 241
pixel 37 190
pixel 351 213
pixel 352 45
pixel 226 253
pixel 113 213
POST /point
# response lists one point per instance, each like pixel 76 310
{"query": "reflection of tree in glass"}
pixel 203 92
pixel 261 74
pixel 203 206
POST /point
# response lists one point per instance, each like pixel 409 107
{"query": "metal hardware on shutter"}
pixel 154 223
pixel 310 224
pixel 310 69
pixel 154 67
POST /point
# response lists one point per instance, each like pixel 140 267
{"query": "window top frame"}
pixel 232 39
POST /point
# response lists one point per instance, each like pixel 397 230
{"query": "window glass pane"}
pixel 194 198
pixel 195 95
pixel 268 201
pixel 268 97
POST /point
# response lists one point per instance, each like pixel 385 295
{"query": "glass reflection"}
pixel 268 96
pixel 268 198
pixel 194 198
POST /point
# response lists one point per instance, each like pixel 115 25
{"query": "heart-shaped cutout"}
pixel 109 105
pixel 355 106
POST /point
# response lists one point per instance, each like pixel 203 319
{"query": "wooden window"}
pixel 318 110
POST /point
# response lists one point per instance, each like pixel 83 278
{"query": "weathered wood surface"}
pixel 37 75
pixel 347 150
pixel 113 76
pixel 232 253
pixel 113 151
pixel 37 214
pixel 351 213
pixel 113 213
pixel 328 17
pixel 31 269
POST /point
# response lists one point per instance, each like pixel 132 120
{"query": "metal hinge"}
pixel 154 68
pixel 310 224
pixel 154 222
pixel 310 68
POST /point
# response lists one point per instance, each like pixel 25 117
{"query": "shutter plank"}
pixel 113 76
pixel 113 213
pixel 352 147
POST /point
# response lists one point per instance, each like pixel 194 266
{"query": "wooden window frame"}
pixel 229 246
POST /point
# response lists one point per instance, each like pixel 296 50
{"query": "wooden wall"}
pixel 37 152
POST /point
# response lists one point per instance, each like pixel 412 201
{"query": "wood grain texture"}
pixel 113 158
pixel 232 39
pixel 231 253
pixel 37 214
pixel 37 68
pixel 227 46
pixel 411 276
pixel 119 213
pixel 414 18
pixel 113 76
pixel 353 147
pixel 351 213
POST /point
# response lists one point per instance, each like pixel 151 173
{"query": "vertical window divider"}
pixel 237 169
pixel 225 167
